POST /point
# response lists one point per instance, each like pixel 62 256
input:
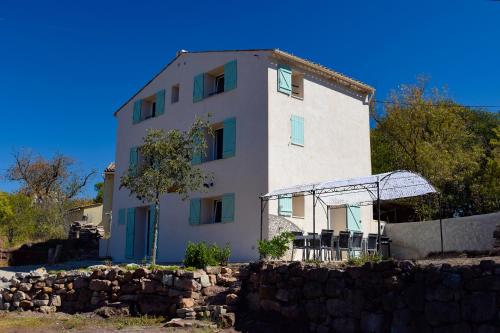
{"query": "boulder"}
pixel 99 285
pixel 231 299
pixel 187 284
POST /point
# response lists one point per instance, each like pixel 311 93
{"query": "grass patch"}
pixel 364 258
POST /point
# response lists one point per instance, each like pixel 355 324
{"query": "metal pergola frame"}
pixel 373 188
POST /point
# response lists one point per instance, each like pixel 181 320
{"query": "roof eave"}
pixel 328 73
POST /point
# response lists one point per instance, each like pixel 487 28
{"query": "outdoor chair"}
pixel 371 243
pixel 326 244
pixel 356 243
pixel 344 243
pixel 313 244
pixel 298 243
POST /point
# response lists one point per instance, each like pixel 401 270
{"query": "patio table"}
pixel 307 238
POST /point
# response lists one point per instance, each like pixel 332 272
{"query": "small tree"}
pixel 166 167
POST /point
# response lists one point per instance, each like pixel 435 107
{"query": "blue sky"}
pixel 65 67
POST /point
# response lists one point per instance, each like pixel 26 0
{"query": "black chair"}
pixel 326 248
pixel 344 243
pixel 371 243
pixel 299 243
pixel 356 242
pixel 313 244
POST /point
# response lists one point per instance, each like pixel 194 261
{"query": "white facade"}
pixel 335 113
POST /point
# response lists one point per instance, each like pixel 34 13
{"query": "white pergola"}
pixel 358 191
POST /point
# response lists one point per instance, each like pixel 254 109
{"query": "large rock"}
pixel 479 306
pixel 99 285
pixel 187 284
pixel 442 313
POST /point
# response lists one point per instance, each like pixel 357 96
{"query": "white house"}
pixel 279 120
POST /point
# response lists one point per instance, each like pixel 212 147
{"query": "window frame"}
pixel 177 88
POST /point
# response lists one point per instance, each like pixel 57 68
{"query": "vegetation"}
pixel 455 147
pixel 165 167
pixel 14 322
pixel 364 258
pixel 98 187
pixel 201 255
pixel 48 188
pixel 276 247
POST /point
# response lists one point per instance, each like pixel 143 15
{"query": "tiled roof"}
pixel 110 168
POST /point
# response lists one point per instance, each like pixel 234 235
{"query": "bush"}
pixel 276 247
pixel 364 258
pixel 201 255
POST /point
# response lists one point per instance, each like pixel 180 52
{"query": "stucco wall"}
pixel 415 240
pixel 336 141
pixel 245 174
pixel 93 215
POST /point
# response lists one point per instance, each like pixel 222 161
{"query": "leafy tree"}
pixel 426 132
pixel 47 180
pixel 165 167
pixel 51 185
pixel 17 218
pixel 98 187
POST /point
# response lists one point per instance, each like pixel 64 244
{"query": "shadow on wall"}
pixel 416 240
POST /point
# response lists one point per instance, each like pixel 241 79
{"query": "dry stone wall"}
pixel 384 297
pixel 210 294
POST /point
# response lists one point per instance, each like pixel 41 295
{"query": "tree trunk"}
pixel 155 232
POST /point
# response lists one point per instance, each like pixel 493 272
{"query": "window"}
pixel 175 94
pixel 217 211
pixel 290 82
pixel 149 107
pixel 298 206
pixel 221 79
pixel 220 145
pixel 219 84
pixel 212 210
pixel 297 85
pixel 214 82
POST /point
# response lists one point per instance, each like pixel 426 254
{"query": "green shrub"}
pixel 201 255
pixel 364 258
pixel 276 247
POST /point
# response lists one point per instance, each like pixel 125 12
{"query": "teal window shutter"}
pixel 229 139
pixel 228 207
pixel 285 205
pixel 198 87
pixel 136 116
pixel 151 230
pixel 130 234
pixel 121 216
pixel 230 75
pixel 160 102
pixel 197 156
pixel 297 136
pixel 353 218
pixel 134 159
pixel 195 211
pixel 285 80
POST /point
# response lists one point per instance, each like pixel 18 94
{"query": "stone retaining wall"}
pixel 383 297
pixel 210 293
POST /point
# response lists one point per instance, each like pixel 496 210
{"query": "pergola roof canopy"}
pixel 362 190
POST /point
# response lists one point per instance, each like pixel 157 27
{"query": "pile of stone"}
pixel 175 293
pixel 378 297
pixel 85 231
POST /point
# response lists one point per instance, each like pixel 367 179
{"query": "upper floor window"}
pixel 216 81
pixel 222 144
pixel 290 82
pixel 174 96
pixel 149 107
